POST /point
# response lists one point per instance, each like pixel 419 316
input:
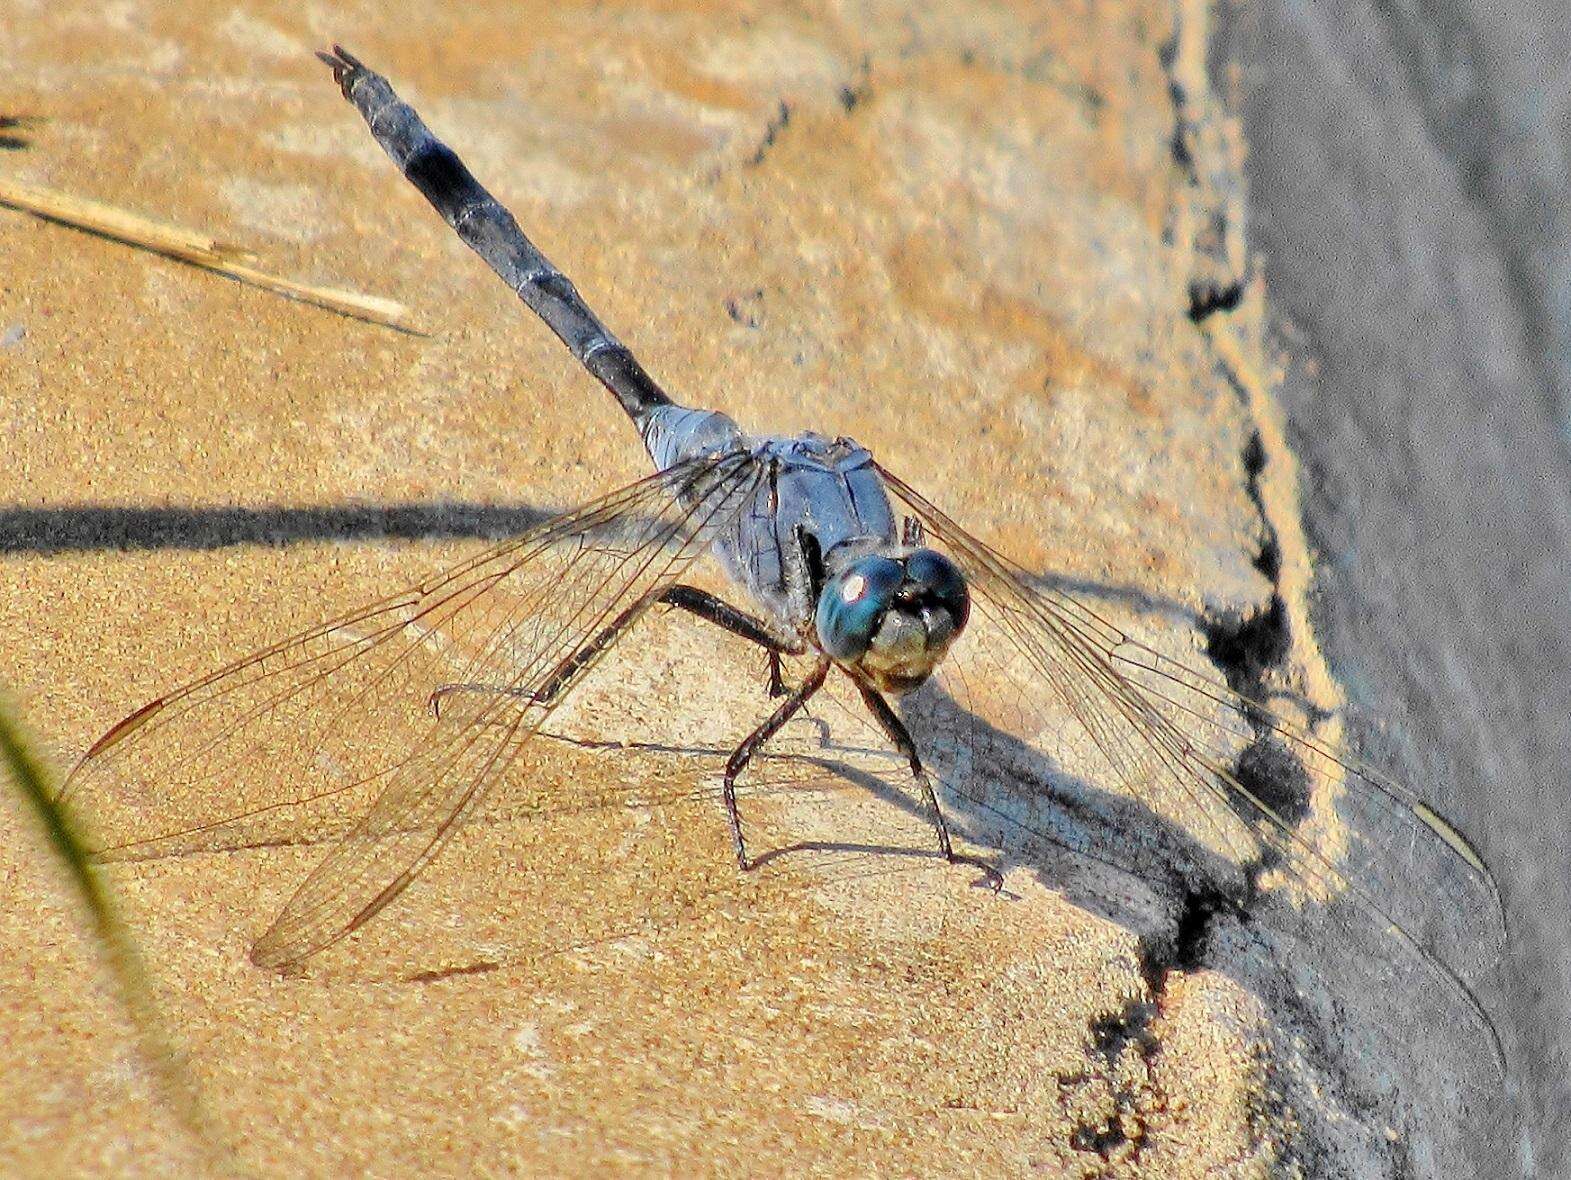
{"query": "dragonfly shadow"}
pixel 77 528
pixel 13 131
pixel 837 846
pixel 1193 906
pixel 90 527
pixel 1103 852
pixel 1142 602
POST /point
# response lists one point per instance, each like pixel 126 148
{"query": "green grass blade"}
pixel 35 783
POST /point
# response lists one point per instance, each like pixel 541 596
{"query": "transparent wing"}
pixel 1204 780
pixel 363 707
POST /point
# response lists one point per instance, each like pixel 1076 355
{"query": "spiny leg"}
pixel 739 622
pixel 689 598
pixel 491 232
pixel 750 744
pixel 897 733
pixel 722 614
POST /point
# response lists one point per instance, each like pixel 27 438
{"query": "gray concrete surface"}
pixel 1407 166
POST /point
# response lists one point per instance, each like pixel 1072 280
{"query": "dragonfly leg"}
pixel 565 672
pixel 912 533
pixel 442 691
pixel 722 614
pixel 739 622
pixel 689 598
pixel 743 754
pixel 897 733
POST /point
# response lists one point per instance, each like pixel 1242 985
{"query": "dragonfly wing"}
pixel 361 708
pixel 1188 754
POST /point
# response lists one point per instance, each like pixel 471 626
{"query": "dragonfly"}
pixel 966 664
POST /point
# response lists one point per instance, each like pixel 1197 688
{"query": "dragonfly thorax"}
pixel 891 615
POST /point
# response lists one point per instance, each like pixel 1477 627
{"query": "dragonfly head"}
pixel 892 615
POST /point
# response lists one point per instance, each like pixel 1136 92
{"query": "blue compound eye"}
pixel 939 579
pixel 853 603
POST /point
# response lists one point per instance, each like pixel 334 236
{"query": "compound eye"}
pixel 853 603
pixel 940 579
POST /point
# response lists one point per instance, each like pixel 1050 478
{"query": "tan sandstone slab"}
pixel 957 235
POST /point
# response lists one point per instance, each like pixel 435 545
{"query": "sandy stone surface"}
pixel 970 237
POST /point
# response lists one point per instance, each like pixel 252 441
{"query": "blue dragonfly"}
pixel 964 661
